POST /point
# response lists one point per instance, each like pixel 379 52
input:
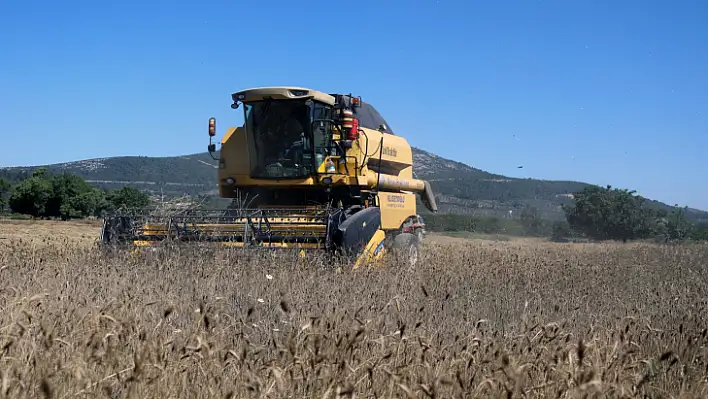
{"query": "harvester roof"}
pixel 281 92
pixel 368 116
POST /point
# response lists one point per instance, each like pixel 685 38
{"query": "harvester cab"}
pixel 311 171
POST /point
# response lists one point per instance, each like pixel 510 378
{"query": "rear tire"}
pixel 406 248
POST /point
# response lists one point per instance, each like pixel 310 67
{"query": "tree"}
pixel 31 196
pixel 5 190
pixel 89 203
pixel 700 232
pixel 448 222
pixel 68 196
pixel 677 226
pixel 607 213
pixel 128 197
pixel 73 198
pixel 530 221
pixel 560 231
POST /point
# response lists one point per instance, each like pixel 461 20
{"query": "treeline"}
pixel 64 196
pixel 503 191
pixel 597 213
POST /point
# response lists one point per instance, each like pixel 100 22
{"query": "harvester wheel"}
pixel 406 247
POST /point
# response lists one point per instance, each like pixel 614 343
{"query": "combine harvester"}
pixel 317 171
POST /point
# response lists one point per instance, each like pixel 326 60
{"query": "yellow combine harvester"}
pixel 307 170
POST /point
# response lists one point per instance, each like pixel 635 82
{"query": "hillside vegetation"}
pixel 459 188
pixel 189 174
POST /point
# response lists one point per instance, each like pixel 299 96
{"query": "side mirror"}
pixel 212 127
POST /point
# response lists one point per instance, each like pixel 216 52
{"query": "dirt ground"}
pixel 48 231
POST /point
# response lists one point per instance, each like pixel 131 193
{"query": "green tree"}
pixel 607 213
pixel 31 196
pixel 450 222
pixel 5 191
pixel 69 196
pixel 530 220
pixel 560 231
pixel 488 225
pixel 700 232
pixel 73 198
pixel 128 197
pixel 677 226
pixel 89 203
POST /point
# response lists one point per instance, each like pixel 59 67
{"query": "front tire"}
pixel 406 248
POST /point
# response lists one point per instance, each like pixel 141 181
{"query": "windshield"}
pixel 280 141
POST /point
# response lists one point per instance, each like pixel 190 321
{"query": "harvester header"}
pixel 311 169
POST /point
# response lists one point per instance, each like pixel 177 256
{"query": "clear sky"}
pixel 603 91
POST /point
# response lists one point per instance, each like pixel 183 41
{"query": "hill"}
pixel 459 188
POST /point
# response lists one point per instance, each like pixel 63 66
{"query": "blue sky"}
pixel 607 92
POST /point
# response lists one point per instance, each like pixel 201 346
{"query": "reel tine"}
pixel 287 227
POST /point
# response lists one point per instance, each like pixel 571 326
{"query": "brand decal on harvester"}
pixel 392 152
pixel 395 198
pixel 395 201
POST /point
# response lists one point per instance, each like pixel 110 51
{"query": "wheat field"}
pixel 474 319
